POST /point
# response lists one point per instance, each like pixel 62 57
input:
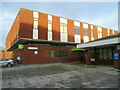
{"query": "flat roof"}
pixel 26 41
pixel 106 41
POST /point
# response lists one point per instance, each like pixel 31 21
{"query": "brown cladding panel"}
pixel 81 32
pixel 104 32
pixel 43 26
pixel 95 32
pixel 56 28
pixel 26 23
pixel 70 31
pixel 89 32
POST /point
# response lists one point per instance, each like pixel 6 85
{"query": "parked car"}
pixel 6 62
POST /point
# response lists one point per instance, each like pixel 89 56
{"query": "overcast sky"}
pixel 103 14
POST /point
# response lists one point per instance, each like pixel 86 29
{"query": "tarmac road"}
pixel 59 76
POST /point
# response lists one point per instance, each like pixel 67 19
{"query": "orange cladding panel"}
pixel 89 32
pixel 26 23
pixel 13 33
pixel 95 32
pixel 81 32
pixel 110 31
pixel 115 32
pixel 56 28
pixel 70 31
pixel 43 26
pixel 104 32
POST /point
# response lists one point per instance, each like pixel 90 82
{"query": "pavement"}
pixel 60 75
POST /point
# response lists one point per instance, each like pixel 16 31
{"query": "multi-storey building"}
pixel 42 38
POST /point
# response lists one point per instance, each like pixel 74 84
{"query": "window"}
pixel 109 51
pixel 63 28
pixel 99 32
pixel 49 17
pixel 77 38
pixel 85 25
pixel 35 14
pixel 35 34
pixel 77 30
pixel 59 53
pixel 100 54
pixel 105 53
pixel 35 23
pixel 49 25
pixel 85 32
pixel 63 32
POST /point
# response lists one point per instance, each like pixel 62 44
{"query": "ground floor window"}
pixel 59 53
pixel 106 53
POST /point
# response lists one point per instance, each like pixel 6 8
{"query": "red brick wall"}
pixel 28 56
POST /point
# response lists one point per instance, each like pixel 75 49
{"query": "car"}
pixel 6 62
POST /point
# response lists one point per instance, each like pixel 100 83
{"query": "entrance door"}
pixel 79 55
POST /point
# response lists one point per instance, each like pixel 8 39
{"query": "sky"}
pixel 103 14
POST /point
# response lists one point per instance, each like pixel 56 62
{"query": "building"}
pixel 43 38
pixel 4 54
pixel 105 51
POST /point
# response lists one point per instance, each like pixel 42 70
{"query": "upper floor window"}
pixel 63 28
pixel 49 17
pixel 76 28
pixel 85 32
pixel 35 24
pixel 49 25
pixel 85 25
pixel 99 32
pixel 35 14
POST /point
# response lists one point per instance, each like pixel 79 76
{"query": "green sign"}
pixel 20 46
pixel 77 49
